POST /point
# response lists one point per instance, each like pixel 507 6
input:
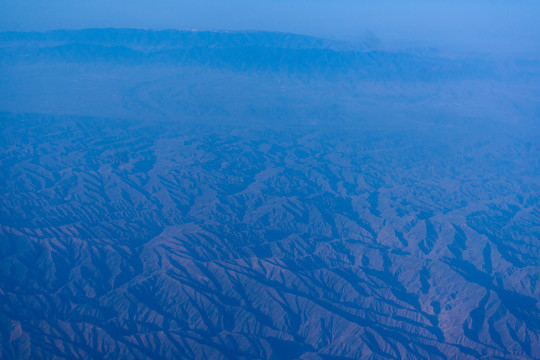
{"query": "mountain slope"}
pixel 211 208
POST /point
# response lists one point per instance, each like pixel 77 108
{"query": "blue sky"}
pixel 485 25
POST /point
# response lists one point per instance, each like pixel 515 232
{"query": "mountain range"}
pixel 252 195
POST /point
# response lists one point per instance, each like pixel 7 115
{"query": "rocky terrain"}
pixel 200 195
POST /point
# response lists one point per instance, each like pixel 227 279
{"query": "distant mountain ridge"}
pixel 233 50
pixel 174 38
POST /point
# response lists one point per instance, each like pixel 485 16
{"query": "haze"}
pixel 483 26
pixel 250 192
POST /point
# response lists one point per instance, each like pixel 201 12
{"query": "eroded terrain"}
pixel 318 232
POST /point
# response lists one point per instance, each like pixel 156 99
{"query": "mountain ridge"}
pixel 260 51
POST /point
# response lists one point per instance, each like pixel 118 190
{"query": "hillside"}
pixel 214 195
